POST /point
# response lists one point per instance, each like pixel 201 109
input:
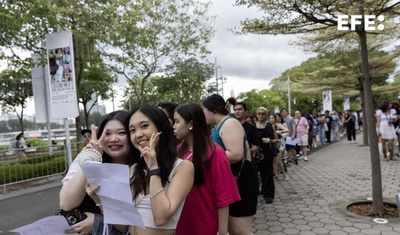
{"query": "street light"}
pixel 289 103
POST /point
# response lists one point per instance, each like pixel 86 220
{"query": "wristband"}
pixel 156 171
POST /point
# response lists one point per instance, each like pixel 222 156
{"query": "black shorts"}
pixel 248 190
pixel 289 147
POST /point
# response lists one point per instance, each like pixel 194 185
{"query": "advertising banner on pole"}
pixel 327 100
pixel 39 89
pixel 346 103
pixel 61 75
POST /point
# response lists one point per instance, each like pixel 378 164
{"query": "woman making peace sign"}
pixel 109 144
pixel 160 181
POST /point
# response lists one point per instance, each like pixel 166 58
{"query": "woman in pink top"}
pixel 206 210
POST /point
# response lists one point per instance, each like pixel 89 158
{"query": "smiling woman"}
pixel 110 144
pixel 160 181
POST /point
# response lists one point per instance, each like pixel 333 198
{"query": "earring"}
pixel 190 128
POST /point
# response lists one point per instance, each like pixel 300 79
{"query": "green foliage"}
pixel 31 168
pixel 155 33
pixel 36 142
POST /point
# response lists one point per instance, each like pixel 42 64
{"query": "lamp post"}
pixel 289 103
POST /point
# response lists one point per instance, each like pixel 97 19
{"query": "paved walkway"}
pixel 318 190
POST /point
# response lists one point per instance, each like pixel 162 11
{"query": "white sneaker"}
pixel 299 158
pixel 305 159
pixel 286 177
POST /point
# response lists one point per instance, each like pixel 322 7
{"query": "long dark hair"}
pixel 384 106
pixel 121 116
pixel 192 112
pixel 166 149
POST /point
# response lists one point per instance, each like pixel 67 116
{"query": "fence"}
pixel 25 165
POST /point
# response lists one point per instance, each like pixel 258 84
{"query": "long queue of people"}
pixel 185 177
pixel 197 169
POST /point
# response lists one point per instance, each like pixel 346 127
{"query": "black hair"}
pixel 166 149
pixel 170 107
pixel 243 105
pixel 384 106
pixel 121 116
pixel 192 112
pixel 18 137
pixel 216 104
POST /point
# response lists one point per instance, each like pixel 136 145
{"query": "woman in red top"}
pixel 206 210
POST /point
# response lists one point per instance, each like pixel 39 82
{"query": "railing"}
pixel 24 165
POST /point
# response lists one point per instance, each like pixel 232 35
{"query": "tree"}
pixel 25 24
pixel 15 89
pixel 185 81
pixel 294 17
pixel 152 34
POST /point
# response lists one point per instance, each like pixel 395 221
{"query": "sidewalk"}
pixel 313 201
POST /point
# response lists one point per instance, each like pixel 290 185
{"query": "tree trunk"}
pixel 377 202
pixel 364 120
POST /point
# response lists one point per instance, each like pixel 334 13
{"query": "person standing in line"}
pixel 281 131
pixel 160 181
pixel 321 128
pixel 385 117
pixel 168 108
pixel 349 120
pixel 269 139
pixel 328 122
pixel 230 135
pixel 206 209
pixel 289 121
pixel 335 127
pixel 240 112
pixel 109 145
pixel 302 133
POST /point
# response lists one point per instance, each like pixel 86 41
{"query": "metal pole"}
pixel 47 103
pixel 288 82
pixel 68 142
pixel 216 74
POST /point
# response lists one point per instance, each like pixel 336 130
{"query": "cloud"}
pixel 250 57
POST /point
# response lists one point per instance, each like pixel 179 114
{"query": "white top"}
pixel 83 156
pixel 385 118
pixel 143 206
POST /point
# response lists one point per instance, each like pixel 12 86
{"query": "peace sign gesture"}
pixel 149 152
pixel 95 143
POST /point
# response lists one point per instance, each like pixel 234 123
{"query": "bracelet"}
pixel 156 171
pixel 98 204
pixel 159 191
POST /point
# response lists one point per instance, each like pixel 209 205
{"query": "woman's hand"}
pixel 84 227
pixel 95 143
pixel 149 152
pixel 91 191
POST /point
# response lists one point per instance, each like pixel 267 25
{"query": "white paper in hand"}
pixel 52 225
pixel 114 192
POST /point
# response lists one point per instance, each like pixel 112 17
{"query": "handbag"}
pixel 73 216
pixel 236 177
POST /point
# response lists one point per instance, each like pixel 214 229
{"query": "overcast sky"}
pixel 249 61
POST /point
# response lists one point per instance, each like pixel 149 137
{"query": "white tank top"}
pixel 143 206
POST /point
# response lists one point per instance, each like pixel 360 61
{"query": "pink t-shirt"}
pixel 301 126
pixel 200 212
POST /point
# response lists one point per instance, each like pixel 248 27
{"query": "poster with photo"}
pixel 327 100
pixel 63 101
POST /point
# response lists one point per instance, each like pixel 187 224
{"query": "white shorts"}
pixel 302 140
